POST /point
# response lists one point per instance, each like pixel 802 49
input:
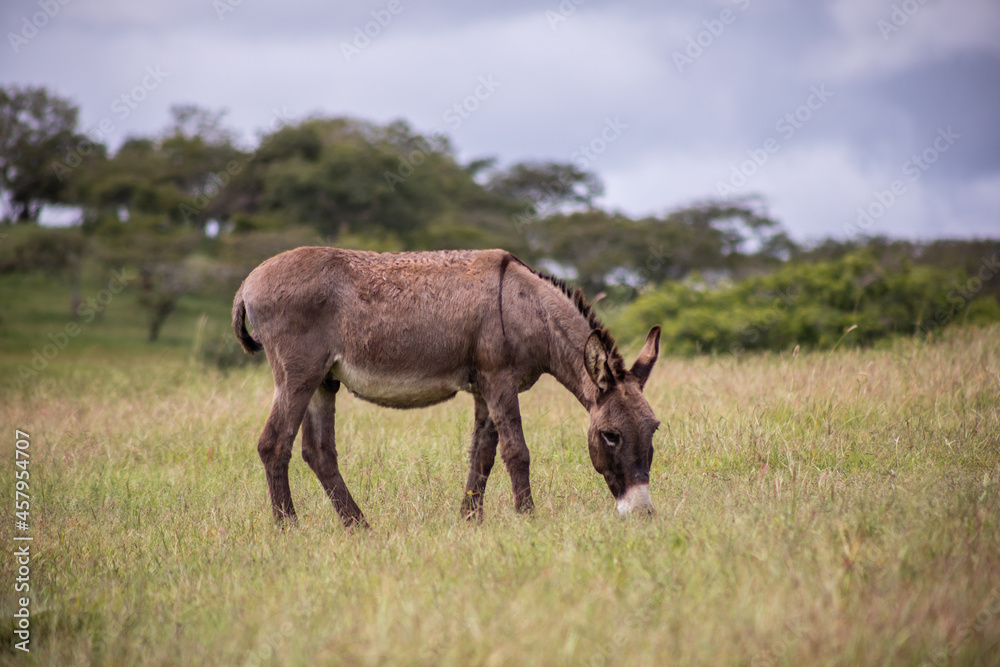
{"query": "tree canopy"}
pixel 36 130
pixel 360 183
pixel 191 207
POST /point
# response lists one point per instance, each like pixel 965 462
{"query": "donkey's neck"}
pixel 569 332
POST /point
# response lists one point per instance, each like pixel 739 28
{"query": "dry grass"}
pixel 832 508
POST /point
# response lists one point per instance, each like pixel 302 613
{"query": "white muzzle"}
pixel 635 498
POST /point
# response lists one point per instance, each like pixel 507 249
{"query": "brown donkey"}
pixel 406 330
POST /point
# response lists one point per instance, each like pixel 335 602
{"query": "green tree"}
pixel 181 178
pixel 353 180
pixel 201 161
pixel 132 184
pixel 38 130
pixel 165 265
pixel 547 187
pixel 611 250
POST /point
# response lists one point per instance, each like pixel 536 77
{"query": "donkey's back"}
pixel 397 329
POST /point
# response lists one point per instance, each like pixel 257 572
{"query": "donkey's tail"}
pixel 239 325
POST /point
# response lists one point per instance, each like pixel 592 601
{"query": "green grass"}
pixel 827 508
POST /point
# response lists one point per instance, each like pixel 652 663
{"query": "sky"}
pixel 847 117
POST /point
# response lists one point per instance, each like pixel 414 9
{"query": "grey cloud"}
pixel 566 67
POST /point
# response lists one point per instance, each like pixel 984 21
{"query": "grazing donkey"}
pixel 407 330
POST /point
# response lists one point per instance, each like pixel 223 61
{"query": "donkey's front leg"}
pixel 506 414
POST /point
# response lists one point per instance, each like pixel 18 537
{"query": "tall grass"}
pixel 830 508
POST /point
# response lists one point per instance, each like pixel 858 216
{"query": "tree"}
pixel 183 177
pixel 191 120
pixel 547 187
pixel 610 249
pixel 164 264
pixel 200 160
pixel 349 178
pixel 37 133
pixel 729 235
pixel 592 245
pixel 130 185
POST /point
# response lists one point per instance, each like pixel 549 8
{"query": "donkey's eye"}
pixel 612 438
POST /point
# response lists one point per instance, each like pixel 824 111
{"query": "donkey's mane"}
pixel 575 295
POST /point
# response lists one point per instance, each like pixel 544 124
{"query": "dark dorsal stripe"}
pixel 503 272
pixel 575 295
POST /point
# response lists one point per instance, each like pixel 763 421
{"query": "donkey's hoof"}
pixel 526 506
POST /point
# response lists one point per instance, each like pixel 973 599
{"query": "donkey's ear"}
pixel 643 366
pixel 595 358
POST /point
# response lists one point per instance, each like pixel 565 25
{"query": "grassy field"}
pixel 817 508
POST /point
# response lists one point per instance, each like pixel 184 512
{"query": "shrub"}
pixel 854 300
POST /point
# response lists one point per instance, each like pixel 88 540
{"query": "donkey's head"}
pixel 620 438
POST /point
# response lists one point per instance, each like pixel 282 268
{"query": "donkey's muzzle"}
pixel 635 500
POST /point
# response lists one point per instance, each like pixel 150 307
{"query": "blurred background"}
pixel 752 174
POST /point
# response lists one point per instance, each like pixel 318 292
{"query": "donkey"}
pixel 412 329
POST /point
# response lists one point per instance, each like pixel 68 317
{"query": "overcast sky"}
pixel 824 108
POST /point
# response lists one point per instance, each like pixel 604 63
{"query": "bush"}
pixel 854 300
pixel 48 250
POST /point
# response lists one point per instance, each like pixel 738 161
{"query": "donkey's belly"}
pixel 399 389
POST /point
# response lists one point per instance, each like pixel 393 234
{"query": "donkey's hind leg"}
pixel 291 398
pixel 275 449
pixel 319 449
pixel 482 453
